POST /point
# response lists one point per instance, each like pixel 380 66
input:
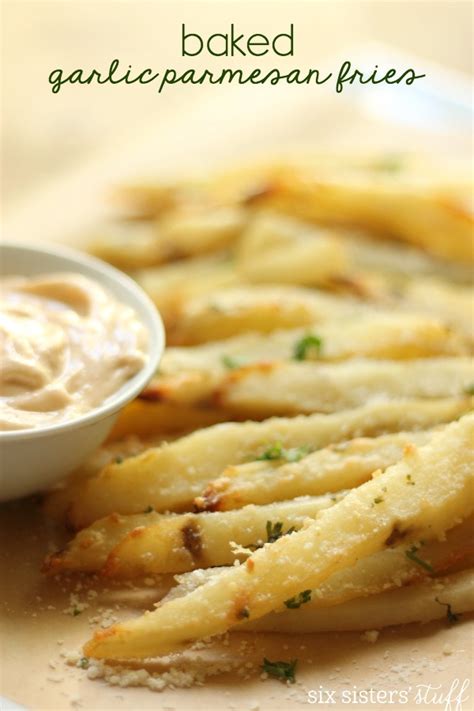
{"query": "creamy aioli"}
pixel 66 344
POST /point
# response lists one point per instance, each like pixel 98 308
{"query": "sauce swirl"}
pixel 66 344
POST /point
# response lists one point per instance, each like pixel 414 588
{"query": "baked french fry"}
pixel 422 602
pixel 275 249
pixel 414 206
pixel 336 467
pixel 172 286
pixel 129 546
pixel 148 418
pixel 191 375
pixel 129 245
pixel 368 519
pixel 384 570
pixel 451 302
pixel 207 541
pixel 229 312
pixel 286 388
pixel 171 476
pixel 199 230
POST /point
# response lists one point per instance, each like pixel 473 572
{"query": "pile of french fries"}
pixel 315 398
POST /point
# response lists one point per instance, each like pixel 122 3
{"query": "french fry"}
pixel 276 249
pixel 147 418
pixel 286 388
pixel 229 312
pixel 384 570
pixel 172 286
pixel 339 466
pixel 402 264
pixel 190 375
pixel 150 198
pixel 453 303
pixel 364 522
pixel 411 206
pixel 129 546
pixel 186 541
pixel 420 603
pixel 129 245
pixel 169 477
pixel 195 231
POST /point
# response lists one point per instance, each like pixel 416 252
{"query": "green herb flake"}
pixel 294 602
pixel 275 531
pixel 307 345
pixel 451 616
pixel 83 663
pixel 411 553
pixel 277 451
pixel 378 499
pixel 76 611
pixel 284 671
pixel 231 362
pixel 149 509
pixel 118 460
pixel 470 389
pixel 410 480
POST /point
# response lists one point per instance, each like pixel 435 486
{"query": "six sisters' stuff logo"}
pixel 447 698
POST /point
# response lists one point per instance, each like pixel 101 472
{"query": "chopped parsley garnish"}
pixel 275 531
pixel 411 553
pixel 231 362
pixel 451 616
pixel 118 460
pixel 285 671
pixel 470 389
pixel 378 499
pixel 277 451
pixel 84 663
pixel 410 480
pixel 298 600
pixel 307 345
pixel 149 509
pixel 76 611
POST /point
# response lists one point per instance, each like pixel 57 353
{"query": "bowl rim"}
pixel 156 346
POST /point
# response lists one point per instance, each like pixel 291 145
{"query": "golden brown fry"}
pixel 364 522
pixel 451 302
pixel 384 570
pixel 419 208
pixel 275 249
pixel 191 375
pixel 229 312
pixel 339 466
pixel 169 477
pixel 130 546
pixel 288 388
pixel 146 417
pixel 421 602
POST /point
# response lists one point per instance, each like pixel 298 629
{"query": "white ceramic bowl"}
pixel 33 459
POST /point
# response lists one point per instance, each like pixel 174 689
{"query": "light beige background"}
pixel 44 135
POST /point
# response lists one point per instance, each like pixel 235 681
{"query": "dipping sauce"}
pixel 66 345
